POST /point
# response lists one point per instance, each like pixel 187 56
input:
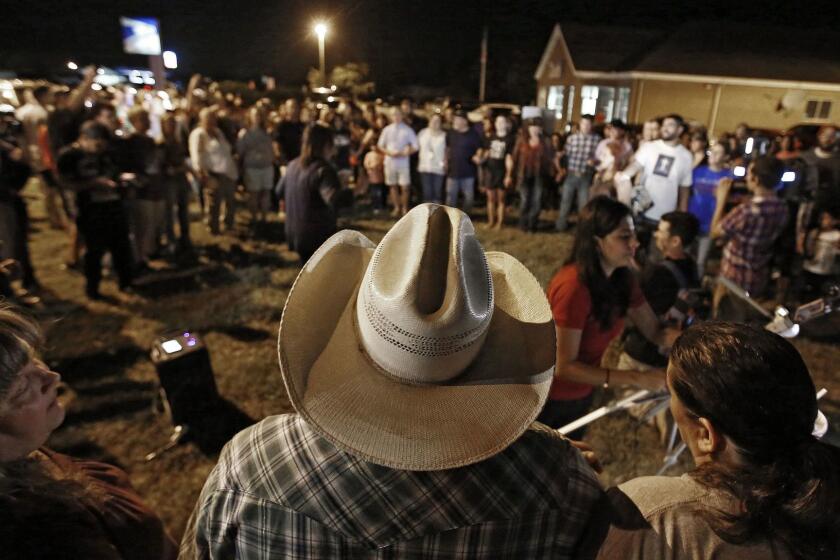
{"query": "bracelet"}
pixel 607 379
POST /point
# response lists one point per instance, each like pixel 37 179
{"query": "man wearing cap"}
pixel 88 168
pixel 415 386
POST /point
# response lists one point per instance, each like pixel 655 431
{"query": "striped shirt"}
pixel 280 490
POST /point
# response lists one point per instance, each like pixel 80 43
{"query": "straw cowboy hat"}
pixel 423 353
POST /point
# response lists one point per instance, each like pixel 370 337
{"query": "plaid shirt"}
pixel 752 229
pixel 280 490
pixel 580 149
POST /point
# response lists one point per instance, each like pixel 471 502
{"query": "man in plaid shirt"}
pixel 448 465
pixel 580 153
pixel 752 227
pixel 282 491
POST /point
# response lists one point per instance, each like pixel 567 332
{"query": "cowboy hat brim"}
pixel 348 399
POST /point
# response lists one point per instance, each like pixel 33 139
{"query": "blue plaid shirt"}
pixel 580 148
pixel 280 490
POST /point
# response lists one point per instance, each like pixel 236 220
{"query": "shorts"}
pixel 258 179
pixel 397 175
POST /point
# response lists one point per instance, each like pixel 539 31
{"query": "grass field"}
pixel 233 296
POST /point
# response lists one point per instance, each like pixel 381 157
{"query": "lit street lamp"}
pixel 321 31
pixel 170 60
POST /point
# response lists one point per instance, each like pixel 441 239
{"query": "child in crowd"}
pixel 822 247
pixel 374 165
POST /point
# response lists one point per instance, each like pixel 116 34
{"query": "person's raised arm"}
pixel 721 194
pixel 77 97
pixel 190 93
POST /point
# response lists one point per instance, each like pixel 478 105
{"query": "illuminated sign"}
pixel 140 35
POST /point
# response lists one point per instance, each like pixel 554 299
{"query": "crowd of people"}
pixel 94 152
pixel 416 389
pixel 417 384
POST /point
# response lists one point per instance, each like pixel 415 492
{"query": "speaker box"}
pixel 186 376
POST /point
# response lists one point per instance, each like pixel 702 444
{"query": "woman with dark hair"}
pixel 533 163
pixel 764 486
pixel 590 297
pixel 313 193
pixel 52 505
pixel 698 147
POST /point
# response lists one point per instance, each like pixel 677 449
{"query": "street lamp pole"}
pixel 321 32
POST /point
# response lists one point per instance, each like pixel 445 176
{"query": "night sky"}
pixel 429 43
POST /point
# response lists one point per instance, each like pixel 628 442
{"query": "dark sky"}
pixel 407 43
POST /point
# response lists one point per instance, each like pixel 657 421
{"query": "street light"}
pixel 170 60
pixel 321 31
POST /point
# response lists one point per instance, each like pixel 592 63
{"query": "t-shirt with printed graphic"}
pixel 703 200
pixel 666 169
pixel 498 148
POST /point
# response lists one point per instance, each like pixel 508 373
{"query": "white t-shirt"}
pixel 31 117
pixel 212 153
pixel 825 261
pixel 395 138
pixel 666 169
pixel 432 151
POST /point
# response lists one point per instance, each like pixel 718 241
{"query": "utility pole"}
pixel 483 78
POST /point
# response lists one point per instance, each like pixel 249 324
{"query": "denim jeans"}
pixel 455 185
pixel 432 187
pixel 530 200
pixel 575 183
pixel 177 197
pixel 378 195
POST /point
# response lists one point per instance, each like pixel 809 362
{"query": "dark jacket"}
pixel 313 195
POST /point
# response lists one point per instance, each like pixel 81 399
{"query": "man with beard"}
pixel 821 188
pixel 665 183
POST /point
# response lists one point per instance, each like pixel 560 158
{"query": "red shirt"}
pixel 571 307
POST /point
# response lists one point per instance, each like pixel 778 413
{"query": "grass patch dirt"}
pixel 233 295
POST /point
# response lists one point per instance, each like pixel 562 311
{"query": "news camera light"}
pixel 739 171
pixel 186 375
pixel 72 65
pixel 748 147
pixel 788 177
pixel 171 346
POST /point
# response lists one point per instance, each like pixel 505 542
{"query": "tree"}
pixel 351 77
